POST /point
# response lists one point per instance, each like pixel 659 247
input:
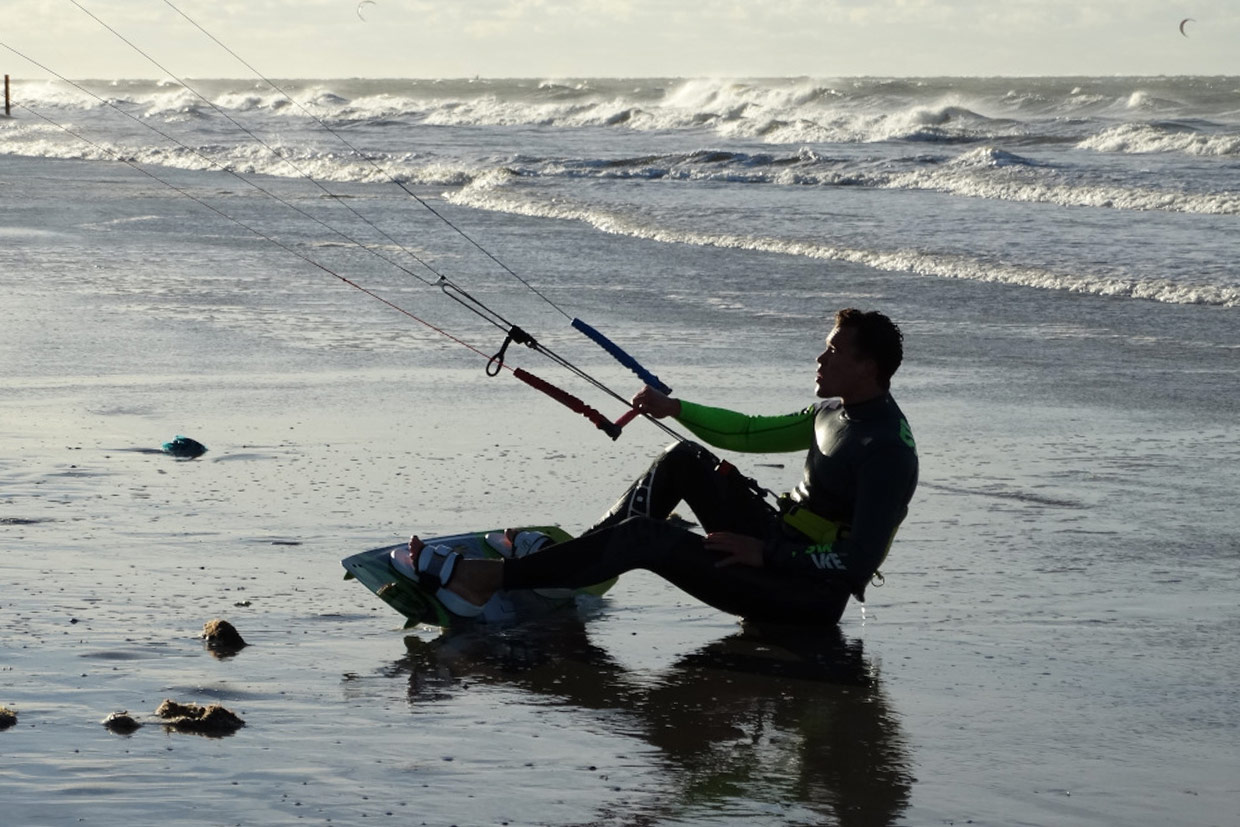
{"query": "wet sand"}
pixel 980 685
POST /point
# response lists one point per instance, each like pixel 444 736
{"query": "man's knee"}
pixel 687 453
pixel 647 531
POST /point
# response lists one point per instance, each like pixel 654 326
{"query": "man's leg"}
pixel 679 556
pixel 719 496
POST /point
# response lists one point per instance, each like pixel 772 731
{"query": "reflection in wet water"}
pixel 793 720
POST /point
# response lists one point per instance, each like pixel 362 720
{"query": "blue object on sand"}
pixel 185 448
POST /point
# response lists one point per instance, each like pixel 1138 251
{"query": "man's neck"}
pixel 855 399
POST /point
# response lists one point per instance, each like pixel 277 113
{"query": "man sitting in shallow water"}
pixel 794 562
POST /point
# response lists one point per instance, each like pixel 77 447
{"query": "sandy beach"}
pixel 948 702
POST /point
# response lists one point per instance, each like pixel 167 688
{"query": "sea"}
pixel 312 277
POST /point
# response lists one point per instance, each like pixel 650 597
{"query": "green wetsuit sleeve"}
pixel 754 434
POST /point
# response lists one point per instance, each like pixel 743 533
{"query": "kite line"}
pixel 513 333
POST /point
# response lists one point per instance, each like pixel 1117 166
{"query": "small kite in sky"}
pixel 372 2
pixel 1183 23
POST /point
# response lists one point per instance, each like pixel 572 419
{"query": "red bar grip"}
pixel 626 417
pixel 571 402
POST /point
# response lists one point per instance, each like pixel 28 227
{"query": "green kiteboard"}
pixel 375 570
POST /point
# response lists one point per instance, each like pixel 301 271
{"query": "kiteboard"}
pixel 376 570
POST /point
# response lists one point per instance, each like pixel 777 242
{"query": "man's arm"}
pixel 731 430
pixel 752 434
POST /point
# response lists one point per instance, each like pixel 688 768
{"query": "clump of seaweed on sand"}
pixel 212 720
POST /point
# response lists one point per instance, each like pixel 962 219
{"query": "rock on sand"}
pixel 222 636
pixel 209 720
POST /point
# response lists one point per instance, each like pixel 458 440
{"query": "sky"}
pixel 623 38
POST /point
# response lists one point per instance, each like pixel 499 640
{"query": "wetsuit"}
pixel 860 472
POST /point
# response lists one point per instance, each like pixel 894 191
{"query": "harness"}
pixel 818 529
pixel 823 532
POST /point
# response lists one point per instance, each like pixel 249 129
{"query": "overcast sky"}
pixel 583 38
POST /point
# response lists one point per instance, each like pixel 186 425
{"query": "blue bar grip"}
pixel 620 356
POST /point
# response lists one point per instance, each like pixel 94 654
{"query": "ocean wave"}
pixel 1109 114
pixel 985 172
pixel 988 172
pixel 1150 138
pixel 938 265
pixel 248 160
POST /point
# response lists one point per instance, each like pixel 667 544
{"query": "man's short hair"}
pixel 877 338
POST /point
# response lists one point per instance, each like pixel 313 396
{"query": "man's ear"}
pixel 870 364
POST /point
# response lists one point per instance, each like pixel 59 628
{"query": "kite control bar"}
pixel 620 356
pixel 612 429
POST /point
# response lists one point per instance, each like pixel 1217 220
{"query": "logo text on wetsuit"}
pixel 824 558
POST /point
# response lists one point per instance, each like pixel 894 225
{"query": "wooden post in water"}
pixel 8 112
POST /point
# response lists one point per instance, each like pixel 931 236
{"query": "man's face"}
pixel 840 371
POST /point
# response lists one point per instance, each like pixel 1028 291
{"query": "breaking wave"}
pixel 1161 137
pixel 485 194
pixel 984 172
pixel 1127 115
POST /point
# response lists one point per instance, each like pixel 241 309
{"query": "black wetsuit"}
pixel 860 473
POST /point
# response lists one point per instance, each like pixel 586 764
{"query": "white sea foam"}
pixel 806 111
pixel 485 195
pixel 248 160
pixel 983 172
pixel 987 172
pixel 1146 138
